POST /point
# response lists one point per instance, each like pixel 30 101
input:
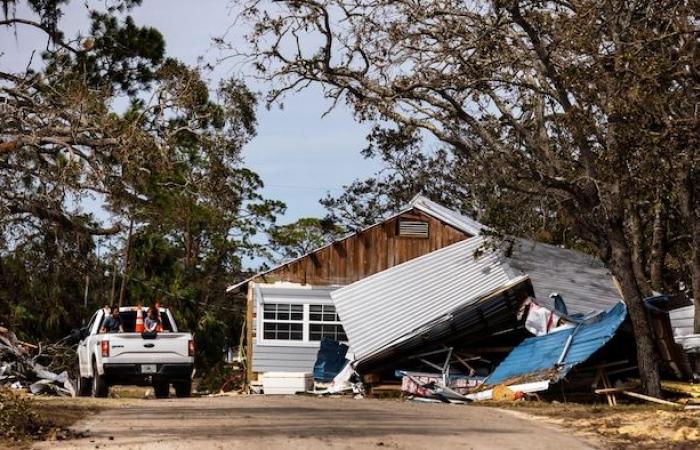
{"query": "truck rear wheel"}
pixel 84 386
pixel 183 389
pixel 99 383
pixel 161 389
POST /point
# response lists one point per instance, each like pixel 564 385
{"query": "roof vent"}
pixel 413 228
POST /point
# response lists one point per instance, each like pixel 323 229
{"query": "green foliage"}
pixel 171 165
pixel 301 237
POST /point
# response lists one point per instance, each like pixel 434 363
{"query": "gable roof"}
pixel 419 203
pixel 582 280
pixel 450 217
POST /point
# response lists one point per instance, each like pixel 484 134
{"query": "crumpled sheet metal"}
pixel 551 356
pixel 19 371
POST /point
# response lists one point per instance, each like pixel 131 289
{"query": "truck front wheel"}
pixel 161 389
pixel 99 383
pixel 183 389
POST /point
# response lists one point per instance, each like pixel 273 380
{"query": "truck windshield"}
pixel 128 319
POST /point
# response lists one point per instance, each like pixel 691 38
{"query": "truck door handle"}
pixel 149 345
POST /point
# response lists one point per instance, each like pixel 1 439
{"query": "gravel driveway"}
pixel 282 422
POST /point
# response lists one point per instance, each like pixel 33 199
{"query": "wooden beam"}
pixel 652 399
pixel 615 390
pixel 249 333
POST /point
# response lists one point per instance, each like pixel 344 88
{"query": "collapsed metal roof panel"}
pixel 385 307
pixel 552 356
pixel 583 281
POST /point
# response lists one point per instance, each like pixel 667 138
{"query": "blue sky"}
pixel 298 154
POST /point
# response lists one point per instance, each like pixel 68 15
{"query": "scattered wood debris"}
pixel 21 366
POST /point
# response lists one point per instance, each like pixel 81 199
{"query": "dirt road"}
pixel 307 422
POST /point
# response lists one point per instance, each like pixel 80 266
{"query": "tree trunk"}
pixel 647 360
pixel 658 249
pixel 695 266
pixel 637 231
pixel 685 189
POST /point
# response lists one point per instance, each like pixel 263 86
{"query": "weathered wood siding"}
pixel 370 251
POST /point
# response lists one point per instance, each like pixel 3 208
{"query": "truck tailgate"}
pixel 165 347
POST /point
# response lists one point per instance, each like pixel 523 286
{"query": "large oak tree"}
pixel 591 104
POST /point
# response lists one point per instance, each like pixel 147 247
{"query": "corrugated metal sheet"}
pixel 390 305
pixel 682 320
pixel 583 281
pixel 492 314
pixel 539 356
pixel 683 330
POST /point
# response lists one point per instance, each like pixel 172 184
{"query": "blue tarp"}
pixel 330 359
pixel 541 354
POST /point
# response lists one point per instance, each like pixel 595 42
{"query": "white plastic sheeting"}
pixel 391 305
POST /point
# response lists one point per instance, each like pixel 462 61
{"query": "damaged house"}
pixel 422 294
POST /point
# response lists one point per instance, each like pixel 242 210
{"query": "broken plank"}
pixel 649 398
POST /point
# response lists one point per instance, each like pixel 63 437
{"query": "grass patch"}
pixel 24 419
pixel 639 426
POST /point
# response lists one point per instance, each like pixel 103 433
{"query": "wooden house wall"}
pixel 370 251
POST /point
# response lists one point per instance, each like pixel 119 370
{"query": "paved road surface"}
pixel 249 422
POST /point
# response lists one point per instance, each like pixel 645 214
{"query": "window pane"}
pixel 323 313
pixel 283 311
pixel 283 331
pixel 333 331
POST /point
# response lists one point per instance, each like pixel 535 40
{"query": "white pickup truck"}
pixel 129 358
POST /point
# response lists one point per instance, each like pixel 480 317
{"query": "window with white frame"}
pixel 324 322
pixel 283 322
pixel 300 323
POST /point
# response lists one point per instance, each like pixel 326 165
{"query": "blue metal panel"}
pixel 540 355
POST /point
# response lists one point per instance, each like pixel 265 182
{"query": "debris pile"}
pixel 20 367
